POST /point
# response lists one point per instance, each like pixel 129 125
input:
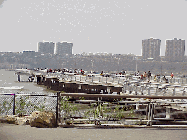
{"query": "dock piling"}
pixel 19 78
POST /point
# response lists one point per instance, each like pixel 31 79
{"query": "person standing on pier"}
pixel 81 71
pixel 141 77
pixel 172 75
pixel 145 75
pixel 155 78
pixel 149 75
pixel 138 73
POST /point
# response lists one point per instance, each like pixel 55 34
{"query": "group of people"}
pixel 144 76
pixel 164 78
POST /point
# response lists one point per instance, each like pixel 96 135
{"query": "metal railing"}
pixel 13 104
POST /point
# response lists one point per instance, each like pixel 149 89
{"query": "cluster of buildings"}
pixel 175 49
pixel 60 55
pixel 61 48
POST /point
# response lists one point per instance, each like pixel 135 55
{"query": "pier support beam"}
pixel 168 113
pixel 135 89
pixel 38 79
pixel 150 114
pixel 137 106
pixel 142 88
pixel 19 78
pixel 174 91
pixel 149 90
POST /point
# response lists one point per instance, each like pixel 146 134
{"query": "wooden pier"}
pixel 106 88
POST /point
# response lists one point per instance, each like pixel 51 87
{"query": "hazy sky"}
pixel 91 25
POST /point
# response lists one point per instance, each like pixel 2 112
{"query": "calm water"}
pixel 9 79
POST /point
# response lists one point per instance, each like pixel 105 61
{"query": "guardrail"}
pixel 26 103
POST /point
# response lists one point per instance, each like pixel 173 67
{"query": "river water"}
pixel 9 79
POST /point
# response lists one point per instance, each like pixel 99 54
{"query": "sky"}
pixel 116 27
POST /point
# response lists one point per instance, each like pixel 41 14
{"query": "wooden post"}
pixel 141 89
pixel 151 117
pixel 154 111
pixel 137 106
pixel 183 92
pixel 174 91
pixel 149 90
pixel 147 107
pixel 156 90
pixel 19 78
pixel 167 112
pixel 98 107
pixel 149 113
pixel 124 88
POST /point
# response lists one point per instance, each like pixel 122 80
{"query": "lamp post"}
pixel 136 65
pixel 92 65
pixel 161 70
pixel 75 62
pixel 118 64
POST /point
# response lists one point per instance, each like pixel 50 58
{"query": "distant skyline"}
pixel 116 27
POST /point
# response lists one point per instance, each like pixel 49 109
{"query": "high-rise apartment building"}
pixel 151 49
pixel 64 48
pixel 175 50
pixel 46 47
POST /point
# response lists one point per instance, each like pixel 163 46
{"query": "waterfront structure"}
pixel 151 49
pixel 64 48
pixel 27 53
pixel 46 47
pixel 175 50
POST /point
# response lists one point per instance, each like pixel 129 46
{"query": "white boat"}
pixel 23 72
pixel 70 74
pixel 94 75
